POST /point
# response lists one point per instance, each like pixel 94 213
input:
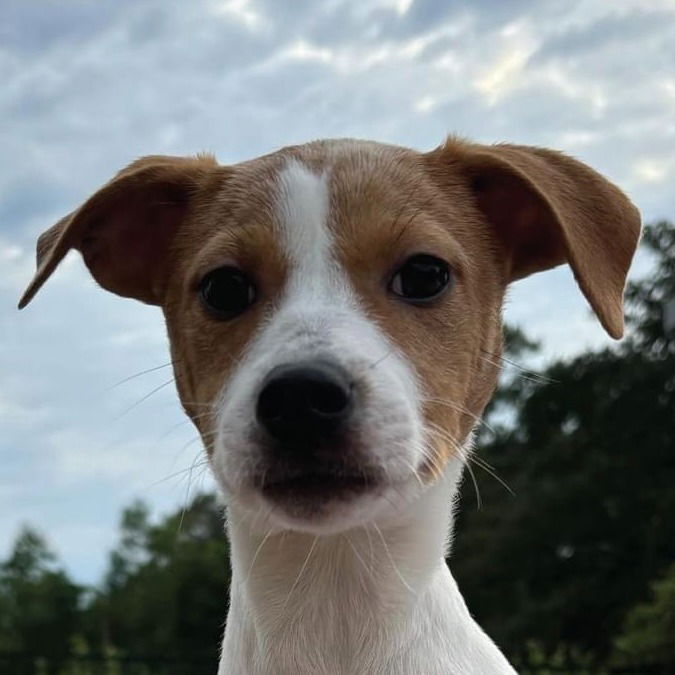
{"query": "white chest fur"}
pixel 376 600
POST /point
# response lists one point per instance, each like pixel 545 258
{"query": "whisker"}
pixel 465 460
pixel 525 373
pixel 171 429
pixel 255 555
pixel 187 497
pixel 204 462
pixel 391 559
pixel 182 423
pixel 455 406
pixel 144 398
pixel 370 544
pixel 430 457
pixel 489 469
pixel 358 555
pixel 302 569
pixel 374 364
pixel 135 375
pixel 444 435
pixel 468 458
pixel 243 519
pixel 282 539
pixel 415 472
pixel 196 439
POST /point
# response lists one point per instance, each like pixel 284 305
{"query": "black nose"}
pixel 305 403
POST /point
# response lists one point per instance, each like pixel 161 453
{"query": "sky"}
pixel 88 86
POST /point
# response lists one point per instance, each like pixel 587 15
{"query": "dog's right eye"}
pixel 226 292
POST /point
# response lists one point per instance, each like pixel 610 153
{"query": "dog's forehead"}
pixel 355 156
pixel 353 197
pixel 351 169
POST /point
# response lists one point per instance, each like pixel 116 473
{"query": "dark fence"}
pixel 643 669
pixel 100 664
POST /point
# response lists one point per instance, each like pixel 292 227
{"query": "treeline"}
pixel 569 563
pixel 162 601
pixel 579 565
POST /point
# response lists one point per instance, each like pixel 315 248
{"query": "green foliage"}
pixel 163 599
pixel 166 589
pixel 649 631
pixel 39 610
pixel 651 301
pixel 589 456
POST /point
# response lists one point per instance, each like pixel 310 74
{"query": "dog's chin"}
pixel 323 505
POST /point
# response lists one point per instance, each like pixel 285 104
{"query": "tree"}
pixel 39 612
pixel 166 589
pixel 589 457
pixel 651 302
pixel 649 629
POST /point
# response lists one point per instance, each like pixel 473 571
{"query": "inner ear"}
pixel 523 222
pixel 127 241
pixel 125 230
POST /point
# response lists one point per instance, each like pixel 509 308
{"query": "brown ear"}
pixel 124 230
pixel 549 209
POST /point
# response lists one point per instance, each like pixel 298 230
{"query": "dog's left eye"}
pixel 421 278
pixel 226 292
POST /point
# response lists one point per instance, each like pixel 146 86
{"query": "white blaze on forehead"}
pixel 302 207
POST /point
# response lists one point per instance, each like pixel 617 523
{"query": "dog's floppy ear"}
pixel 124 230
pixel 549 209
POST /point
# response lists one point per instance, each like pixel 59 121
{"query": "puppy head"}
pixel 334 308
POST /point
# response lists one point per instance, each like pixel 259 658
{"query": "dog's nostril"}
pixel 329 398
pixel 304 402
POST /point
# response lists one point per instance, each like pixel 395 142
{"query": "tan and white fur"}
pixel 339 580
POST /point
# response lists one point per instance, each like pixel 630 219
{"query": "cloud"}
pixel 653 170
pixel 86 90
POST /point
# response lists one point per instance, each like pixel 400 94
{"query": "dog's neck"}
pixel 375 599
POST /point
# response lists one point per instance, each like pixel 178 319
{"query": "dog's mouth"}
pixel 317 487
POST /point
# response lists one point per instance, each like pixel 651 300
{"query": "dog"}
pixel 334 315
